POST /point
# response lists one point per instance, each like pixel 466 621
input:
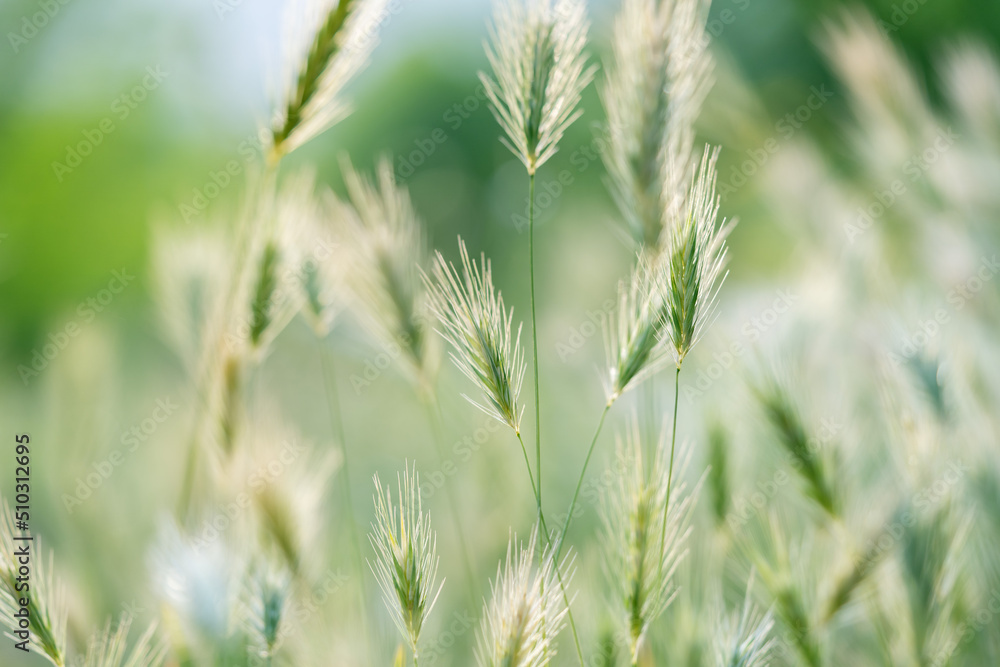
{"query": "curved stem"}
pixel 670 467
pixel 534 337
pixel 579 482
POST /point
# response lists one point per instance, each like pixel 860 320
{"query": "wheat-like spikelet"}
pixel 783 415
pixel 383 252
pixel 540 70
pixel 718 471
pixel 266 597
pixel 479 327
pixel 635 342
pixel 695 255
pixel 526 611
pixel 642 549
pixel 44 594
pixel 657 78
pixel 108 649
pixel 744 639
pixel 328 44
pixel 406 559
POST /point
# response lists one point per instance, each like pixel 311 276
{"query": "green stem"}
pixel 534 336
pixel 548 542
pixel 579 482
pixel 670 467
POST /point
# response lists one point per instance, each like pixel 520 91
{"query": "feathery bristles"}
pixel 526 612
pixel 341 36
pixel 635 343
pixel 384 251
pixel 536 53
pixel 265 605
pixel 45 597
pixel 656 81
pixel 479 327
pixel 643 551
pixel 406 559
pixel 784 417
pixel 744 639
pixel 695 256
pixel 107 649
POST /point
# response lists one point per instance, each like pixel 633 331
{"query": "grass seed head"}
pixel 477 324
pixel 539 72
pixel 526 611
pixel 406 559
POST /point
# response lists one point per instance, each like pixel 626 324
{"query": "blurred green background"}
pixel 64 231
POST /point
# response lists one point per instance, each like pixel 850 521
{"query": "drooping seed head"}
pixel 634 339
pixel 536 54
pixel 474 320
pixel 383 252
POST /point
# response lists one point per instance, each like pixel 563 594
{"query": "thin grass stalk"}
pixel 670 467
pixel 579 482
pixel 534 336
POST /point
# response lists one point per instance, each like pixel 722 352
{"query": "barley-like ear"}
pixel 526 612
pixel 784 417
pixel 642 550
pixel 479 327
pixel 324 55
pixel 694 261
pixel 657 78
pixel 744 639
pixel 108 649
pixel 635 342
pixel 265 606
pixel 540 70
pixel 406 559
pixel 46 597
pixel 383 252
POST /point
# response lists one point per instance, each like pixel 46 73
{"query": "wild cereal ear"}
pixel 406 560
pixel 323 56
pixel 474 320
pixel 539 73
